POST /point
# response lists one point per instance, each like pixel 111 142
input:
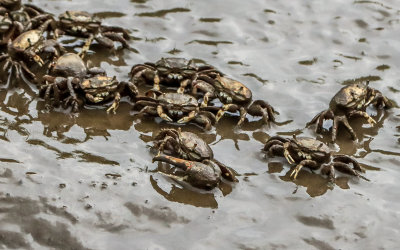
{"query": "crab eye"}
pixel 4 27
pixel 66 21
pixel 93 25
pixel 188 71
pixel 162 69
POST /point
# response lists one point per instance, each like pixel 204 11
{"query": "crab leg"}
pixel 227 107
pixel 264 109
pixel 148 110
pixel 183 85
pixel 345 122
pixel 319 119
pixel 304 163
pixel 286 153
pixel 162 114
pixel 226 172
pixel 274 147
pixel 116 29
pixel 243 113
pixel 329 170
pixel 72 99
pixel 27 70
pixel 362 114
pixel 38 60
pixel 167 139
pixel 156 82
pixel 180 163
pixel 345 168
pixel 179 179
pixel 132 89
pixel 56 93
pixel 86 47
pixel 114 106
pixel 116 37
pixel 347 159
pixel 204 120
pixel 138 70
pixel 17 69
pixel 206 98
pixel 188 118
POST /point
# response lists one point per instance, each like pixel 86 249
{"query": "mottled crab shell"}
pixel 97 82
pixel 70 64
pixel 78 16
pixel 26 40
pixel 310 144
pixel 178 99
pixel 175 63
pixel 237 90
pixel 351 96
pixel 196 144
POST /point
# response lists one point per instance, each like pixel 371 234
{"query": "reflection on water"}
pixel 86 180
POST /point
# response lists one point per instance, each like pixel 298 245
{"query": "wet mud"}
pixel 86 180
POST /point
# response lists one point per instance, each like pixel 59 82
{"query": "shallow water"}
pixel 86 181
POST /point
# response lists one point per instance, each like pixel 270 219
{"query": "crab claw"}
pixel 288 157
pixel 163 115
pixel 205 174
pixel 296 171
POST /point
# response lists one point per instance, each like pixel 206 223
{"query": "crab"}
pixel 25 48
pixel 84 24
pixel 69 75
pixel 350 101
pixel 204 175
pixel 14 5
pixel 188 146
pixel 16 18
pixel 174 106
pixel 235 96
pixel 171 72
pixel 313 154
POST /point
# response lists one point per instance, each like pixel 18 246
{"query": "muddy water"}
pixel 86 181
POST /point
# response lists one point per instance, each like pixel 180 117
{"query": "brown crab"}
pixel 348 102
pixel 16 18
pixel 70 77
pixel 204 175
pixel 171 107
pixel 84 24
pixel 188 146
pixel 235 96
pixel 14 5
pixel 171 72
pixel 313 154
pixel 25 49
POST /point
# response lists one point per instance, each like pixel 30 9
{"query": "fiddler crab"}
pixel 313 154
pixel 350 101
pixel 188 146
pixel 235 96
pixel 84 24
pixel 172 107
pixel 25 49
pixel 171 72
pixel 69 76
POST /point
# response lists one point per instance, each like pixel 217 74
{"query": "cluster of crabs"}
pixel 182 91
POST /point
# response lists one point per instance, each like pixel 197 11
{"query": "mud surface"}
pixel 86 181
